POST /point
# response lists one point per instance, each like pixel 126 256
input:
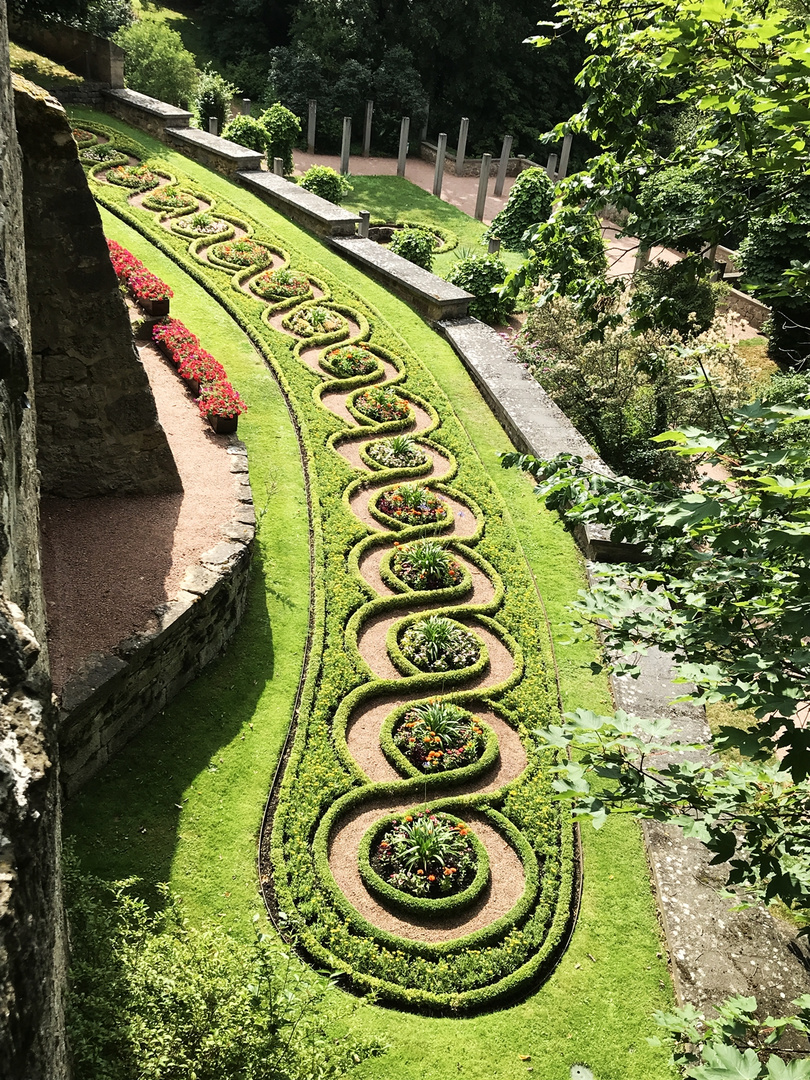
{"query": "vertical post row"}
pixel 461 149
pixel 404 128
pixel 481 201
pixel 566 154
pixel 494 246
pixel 246 106
pixel 367 129
pixel 345 145
pixel 423 136
pixel 213 125
pixel 503 164
pixel 438 175
pixel 313 115
pixel 551 168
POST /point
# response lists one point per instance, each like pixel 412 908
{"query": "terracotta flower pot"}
pixel 223 425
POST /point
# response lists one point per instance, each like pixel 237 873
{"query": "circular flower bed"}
pixel 439 644
pixel 169 198
pixel 349 360
pixel 425 564
pixel 203 224
pixel 133 176
pixel 398 452
pixel 412 504
pixel 100 152
pixel 425 855
pixel 314 320
pixel 381 403
pixel 280 284
pixel 438 737
pixel 242 253
pixel 82 137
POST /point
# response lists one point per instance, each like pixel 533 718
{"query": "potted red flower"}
pixel 221 405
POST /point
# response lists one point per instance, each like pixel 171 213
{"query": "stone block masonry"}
pixel 98 430
pixel 114 695
pixel 223 156
pixel 144 112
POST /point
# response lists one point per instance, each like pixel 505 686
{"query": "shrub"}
pixel 569 248
pixel 246 131
pixel 350 360
pixel 157 63
pixel 381 403
pixel 416 245
pixel 439 736
pixel 283 129
pixel 529 204
pixel 677 200
pixel 426 855
pixel 425 564
pixel 678 301
pixel 479 275
pixel 323 181
pixel 213 98
pixel 280 284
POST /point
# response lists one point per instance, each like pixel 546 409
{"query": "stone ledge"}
pixel 303 207
pixel 432 296
pixel 161 110
pixel 221 155
pixel 530 418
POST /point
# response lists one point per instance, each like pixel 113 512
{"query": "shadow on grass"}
pixel 126 821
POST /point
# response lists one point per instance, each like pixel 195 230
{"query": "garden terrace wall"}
pixel 529 417
pixel 752 310
pixel 303 207
pixel 145 112
pixel 221 155
pixel 472 165
pixel 432 296
pixel 88 55
pixel 114 695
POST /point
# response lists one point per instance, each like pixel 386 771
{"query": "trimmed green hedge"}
pixel 322 782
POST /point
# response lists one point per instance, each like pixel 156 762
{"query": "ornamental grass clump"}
pixel 100 152
pixel 349 360
pixel 279 284
pixel 412 504
pixel 381 403
pixel 203 223
pixel 425 564
pixel 439 736
pixel 398 452
pixel 243 253
pixel 426 855
pixel 439 644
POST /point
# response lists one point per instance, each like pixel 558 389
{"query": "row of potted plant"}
pixel 206 378
pixel 145 288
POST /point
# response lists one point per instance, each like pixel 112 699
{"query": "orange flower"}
pixel 431 877
pixel 420 872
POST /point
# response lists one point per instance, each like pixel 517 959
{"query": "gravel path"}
pixel 108 562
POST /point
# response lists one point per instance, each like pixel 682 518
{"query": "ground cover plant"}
pixel 622 916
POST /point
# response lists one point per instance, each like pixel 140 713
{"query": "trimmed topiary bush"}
pixel 415 245
pixel 323 181
pixel 480 275
pixel 246 131
pixel 283 129
pixel 529 204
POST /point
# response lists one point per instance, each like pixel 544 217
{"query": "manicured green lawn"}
pixel 195 780
pixel 390 197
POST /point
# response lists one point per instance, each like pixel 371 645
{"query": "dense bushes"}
pixel 157 63
pixel 568 247
pixel 323 181
pixel 529 204
pixel 481 275
pixel 416 245
pixel 246 131
pixel 213 98
pixel 283 129
pixel 676 299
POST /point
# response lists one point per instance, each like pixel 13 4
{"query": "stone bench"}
pixel 433 297
pixel 303 207
pixel 221 155
pixel 530 418
pixel 144 112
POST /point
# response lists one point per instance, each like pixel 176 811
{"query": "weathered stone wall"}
pixel 98 430
pixel 113 696
pixel 472 165
pixel 32 939
pixel 144 112
pixel 87 55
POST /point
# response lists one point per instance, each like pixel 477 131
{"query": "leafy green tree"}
pixel 157 63
pixel 482 275
pixel 213 98
pixel 674 301
pixel 246 131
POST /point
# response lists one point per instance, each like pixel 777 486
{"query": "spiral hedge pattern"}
pixel 344 775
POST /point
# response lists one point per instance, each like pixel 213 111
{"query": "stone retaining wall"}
pixel 114 695
pixel 752 310
pixel 304 207
pixel 215 153
pixel 87 55
pixel 472 165
pixel 144 112
pixel 89 94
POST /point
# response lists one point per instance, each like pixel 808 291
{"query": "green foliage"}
pixel 528 205
pixel 213 98
pixel 481 275
pixel 623 388
pixel 157 63
pixel 676 300
pixel 325 182
pixel 154 996
pixel 677 203
pixel 568 249
pixel 246 131
pixel 283 129
pixel 416 245
pixel 102 17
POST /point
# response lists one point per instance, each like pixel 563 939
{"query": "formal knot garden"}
pixel 411 841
